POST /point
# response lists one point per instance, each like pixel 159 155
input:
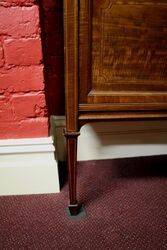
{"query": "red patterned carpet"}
pixel 126 203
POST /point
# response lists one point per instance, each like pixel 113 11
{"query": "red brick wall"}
pixel 23 111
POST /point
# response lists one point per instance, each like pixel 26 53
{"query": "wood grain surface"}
pixel 115 67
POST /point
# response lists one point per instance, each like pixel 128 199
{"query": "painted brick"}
pixel 23 21
pixel 22 79
pixel 8 3
pixel 1 55
pixel 6 112
pixel 23 51
pixel 38 127
pixel 29 128
pixel 28 106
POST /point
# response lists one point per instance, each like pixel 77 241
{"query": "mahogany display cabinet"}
pixel 115 67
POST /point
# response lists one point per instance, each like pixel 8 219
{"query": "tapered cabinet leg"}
pixel 71 142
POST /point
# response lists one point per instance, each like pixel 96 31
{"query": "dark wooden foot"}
pixel 74 208
pixel 76 211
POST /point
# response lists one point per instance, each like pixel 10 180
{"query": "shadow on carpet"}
pixel 126 203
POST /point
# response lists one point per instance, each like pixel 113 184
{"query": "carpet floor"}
pixel 126 203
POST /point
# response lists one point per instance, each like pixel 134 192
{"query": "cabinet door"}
pixel 123 54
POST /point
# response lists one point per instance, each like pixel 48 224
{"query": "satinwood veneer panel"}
pixel 123 54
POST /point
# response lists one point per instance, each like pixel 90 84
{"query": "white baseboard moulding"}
pixel 28 166
pixel 112 140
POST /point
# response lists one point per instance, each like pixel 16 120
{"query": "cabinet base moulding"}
pixel 112 140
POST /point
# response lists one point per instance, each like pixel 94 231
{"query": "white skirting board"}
pixel 28 166
pixel 110 140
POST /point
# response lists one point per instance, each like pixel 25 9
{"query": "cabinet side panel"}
pixel 71 63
